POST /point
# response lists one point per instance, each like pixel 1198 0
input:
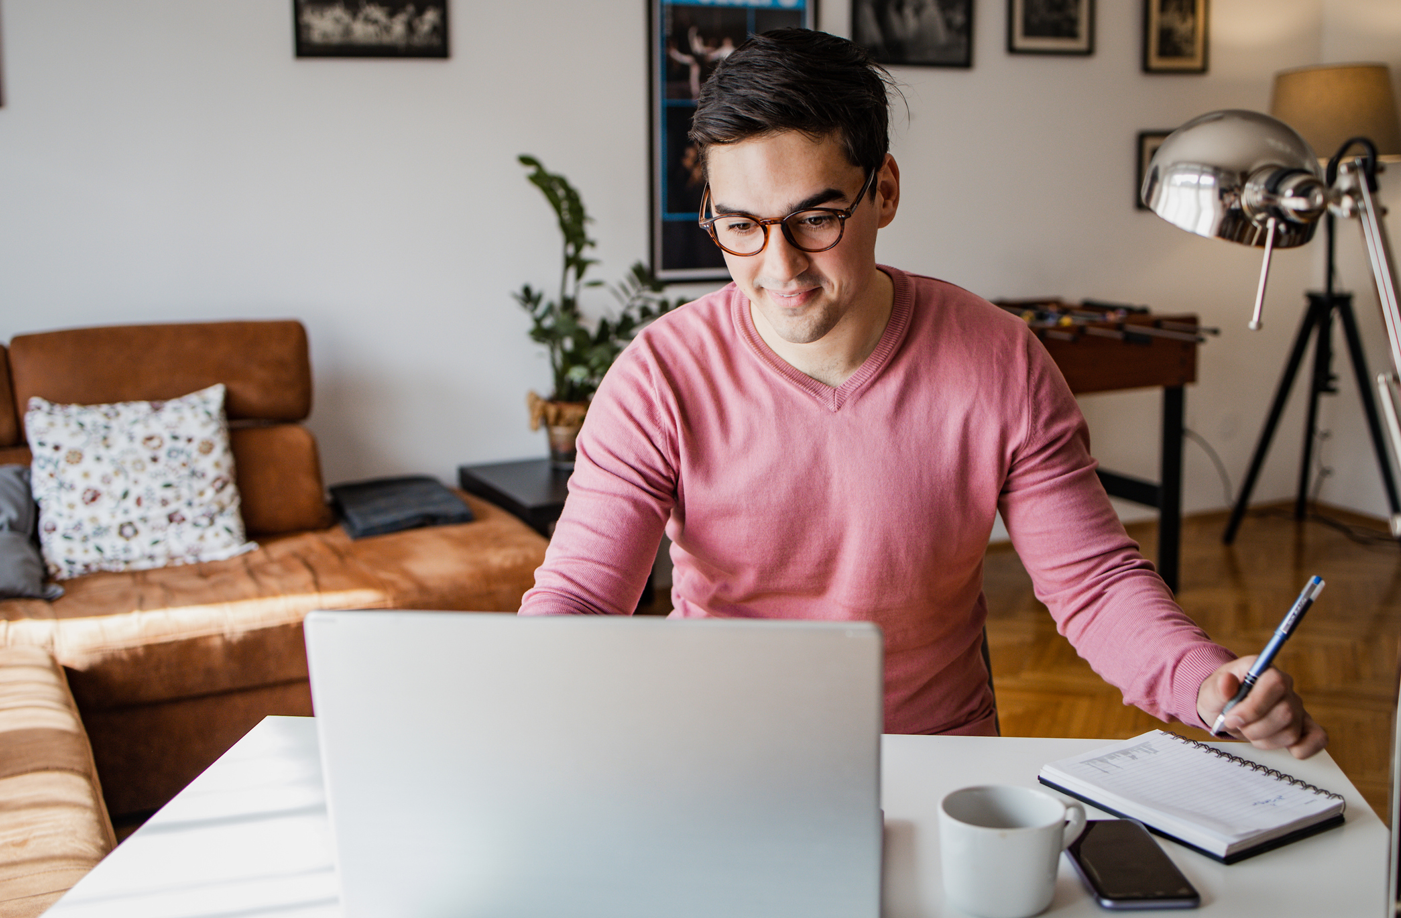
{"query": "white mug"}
pixel 999 847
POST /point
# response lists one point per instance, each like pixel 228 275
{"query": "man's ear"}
pixel 887 190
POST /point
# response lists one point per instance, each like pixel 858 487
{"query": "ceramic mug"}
pixel 1000 845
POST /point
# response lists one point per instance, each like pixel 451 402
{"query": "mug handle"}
pixel 1074 822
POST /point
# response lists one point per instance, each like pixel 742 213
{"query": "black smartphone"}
pixel 1124 867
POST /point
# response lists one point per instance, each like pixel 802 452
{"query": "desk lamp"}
pixel 1251 178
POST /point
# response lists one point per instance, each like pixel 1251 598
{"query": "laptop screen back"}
pixel 481 764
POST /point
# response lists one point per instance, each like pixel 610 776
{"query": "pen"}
pixel 1267 656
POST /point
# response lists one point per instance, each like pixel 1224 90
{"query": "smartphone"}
pixel 1124 867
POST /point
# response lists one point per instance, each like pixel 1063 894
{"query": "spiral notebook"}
pixel 1222 805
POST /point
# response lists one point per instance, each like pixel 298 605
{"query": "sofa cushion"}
pixel 55 826
pixel 21 566
pixel 134 485
pixel 279 479
pixel 265 365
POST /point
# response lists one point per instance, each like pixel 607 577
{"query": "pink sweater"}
pixel 787 498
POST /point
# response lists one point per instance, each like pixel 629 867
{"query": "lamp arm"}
pixel 1359 196
pixel 1270 225
pixel 1379 252
pixel 1369 161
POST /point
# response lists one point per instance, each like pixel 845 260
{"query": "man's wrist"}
pixel 1197 668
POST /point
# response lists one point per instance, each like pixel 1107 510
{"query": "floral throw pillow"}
pixel 134 485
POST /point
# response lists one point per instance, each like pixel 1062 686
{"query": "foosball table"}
pixel 1108 347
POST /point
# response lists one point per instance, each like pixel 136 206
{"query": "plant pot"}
pixel 562 422
pixel 563 447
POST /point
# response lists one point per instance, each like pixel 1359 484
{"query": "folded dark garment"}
pixel 384 505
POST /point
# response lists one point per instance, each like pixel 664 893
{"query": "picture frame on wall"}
pixel 687 41
pixel 1175 36
pixel 1051 27
pixel 1148 143
pixel 920 33
pixel 371 28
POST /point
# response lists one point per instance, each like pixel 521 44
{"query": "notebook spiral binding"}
pixel 1256 766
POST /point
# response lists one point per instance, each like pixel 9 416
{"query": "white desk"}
pixel 249 837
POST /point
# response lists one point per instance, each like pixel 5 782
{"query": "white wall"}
pixel 166 160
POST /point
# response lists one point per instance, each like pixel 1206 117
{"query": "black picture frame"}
pixel 1148 143
pixel 1051 27
pixel 371 28
pixel 1175 36
pixel 687 40
pixel 932 33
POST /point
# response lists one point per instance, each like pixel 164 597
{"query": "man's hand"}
pixel 1272 716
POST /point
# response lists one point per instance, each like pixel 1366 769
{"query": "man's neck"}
pixel 832 359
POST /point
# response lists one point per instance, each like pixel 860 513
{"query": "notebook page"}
pixel 1169 776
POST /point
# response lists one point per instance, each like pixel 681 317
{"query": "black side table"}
pixel 531 489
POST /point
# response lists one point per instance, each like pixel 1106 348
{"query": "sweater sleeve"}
pixel 621 493
pixel 1105 596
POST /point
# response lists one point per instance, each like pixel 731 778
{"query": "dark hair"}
pixel 797 80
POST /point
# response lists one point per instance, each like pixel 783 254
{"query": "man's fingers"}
pixel 1312 741
pixel 1272 689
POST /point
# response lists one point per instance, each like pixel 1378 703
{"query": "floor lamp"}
pixel 1329 106
pixel 1253 179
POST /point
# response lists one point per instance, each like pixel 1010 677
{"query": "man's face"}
pixel 802 296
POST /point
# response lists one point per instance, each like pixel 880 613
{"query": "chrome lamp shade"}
pixel 1224 174
pixel 1242 176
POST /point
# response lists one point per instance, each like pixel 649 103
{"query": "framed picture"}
pixel 1148 143
pixel 687 41
pixel 926 33
pixel 371 28
pixel 1050 26
pixel 1174 36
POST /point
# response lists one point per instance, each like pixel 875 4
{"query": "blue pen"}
pixel 1267 656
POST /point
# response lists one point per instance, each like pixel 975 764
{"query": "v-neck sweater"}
pixel 874 500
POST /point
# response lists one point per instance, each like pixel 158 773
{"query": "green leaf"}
pixel 579 355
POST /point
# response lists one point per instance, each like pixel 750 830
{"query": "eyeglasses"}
pixel 816 229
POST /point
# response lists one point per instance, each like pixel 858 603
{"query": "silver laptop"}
pixel 483 764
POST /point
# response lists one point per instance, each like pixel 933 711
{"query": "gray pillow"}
pixel 21 565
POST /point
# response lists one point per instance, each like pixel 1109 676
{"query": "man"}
pixel 827 438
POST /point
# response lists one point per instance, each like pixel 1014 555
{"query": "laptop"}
pixel 495 765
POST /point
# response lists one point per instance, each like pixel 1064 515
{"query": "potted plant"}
pixel 579 355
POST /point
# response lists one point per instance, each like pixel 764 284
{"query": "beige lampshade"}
pixel 1331 103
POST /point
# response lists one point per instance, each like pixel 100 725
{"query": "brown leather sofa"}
pixel 169 667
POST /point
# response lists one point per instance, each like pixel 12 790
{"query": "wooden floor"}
pixel 1343 658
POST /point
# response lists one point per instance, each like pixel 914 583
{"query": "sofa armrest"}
pixel 56 826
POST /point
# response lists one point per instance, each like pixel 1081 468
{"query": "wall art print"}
pixel 1050 26
pixel 1174 36
pixel 1148 143
pixel 687 41
pixel 371 28
pixel 925 33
